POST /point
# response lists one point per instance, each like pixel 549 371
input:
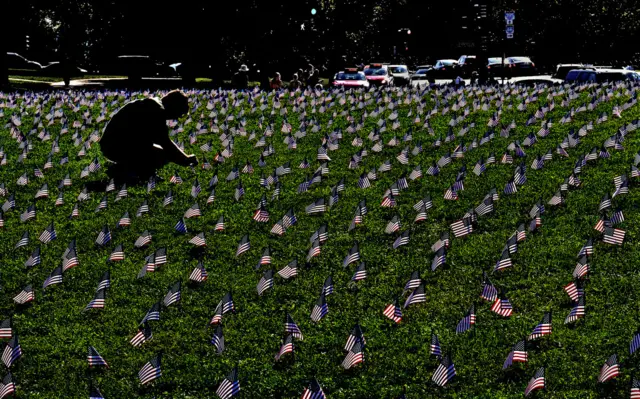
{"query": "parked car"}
pixel 520 66
pixel 601 75
pixel 421 73
pixel 563 69
pixel 443 69
pixel 16 61
pixel 378 74
pixel 494 66
pixel 350 77
pixel 400 75
pixel 54 68
pixel 466 65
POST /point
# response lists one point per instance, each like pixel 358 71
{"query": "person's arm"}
pixel 174 153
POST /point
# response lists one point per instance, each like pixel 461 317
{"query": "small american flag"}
pixel 537 382
pixel 230 386
pixel 151 370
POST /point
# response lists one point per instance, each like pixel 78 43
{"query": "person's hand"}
pixel 191 160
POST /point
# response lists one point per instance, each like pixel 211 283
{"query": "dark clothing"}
pixel 137 138
pixel 313 80
pixel 241 80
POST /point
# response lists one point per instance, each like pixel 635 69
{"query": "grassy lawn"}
pixel 55 332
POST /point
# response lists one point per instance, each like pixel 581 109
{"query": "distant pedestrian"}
pixel 276 82
pixel 241 78
pixel 474 77
pixel 314 79
pixel 295 83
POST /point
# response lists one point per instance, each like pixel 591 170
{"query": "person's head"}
pixel 277 77
pixel 175 104
pixel 243 69
pixel 316 72
pixel 295 76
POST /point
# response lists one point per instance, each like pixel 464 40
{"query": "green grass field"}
pixel 55 333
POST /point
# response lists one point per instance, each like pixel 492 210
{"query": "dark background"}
pixel 215 37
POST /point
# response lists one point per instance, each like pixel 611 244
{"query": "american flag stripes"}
pixel 536 382
pixel 574 289
pixel 610 369
pixel 360 273
pixel 144 334
pixel 502 307
pixel 577 312
pixel 25 296
pixel 225 305
pixel 12 352
pixel 635 342
pixel 489 291
pixel 352 256
pixel 104 237
pixel 462 227
pixel 542 329
pixel 230 386
pixel 218 340
pixel 243 245
pixel 393 311
pixel 180 226
pixel 287 347
pixel 320 309
pixel 517 355
pixel 143 240
pixel 174 294
pixel 198 240
pixel 5 329
pixel 444 372
pixel 313 391
pixel 467 321
pixel 124 220
pixel 417 296
pixel 193 211
pixel 54 278
pixel 403 239
pixel 153 314
pixel 98 300
pixel 582 268
pixel 613 236
pixel 635 389
pixel 414 281
pixel 439 259
pixel 95 359
pixel 8 386
pixel 199 273
pixel 434 348
pixel 355 356
pixel 117 254
pixel 151 370
pixel 265 282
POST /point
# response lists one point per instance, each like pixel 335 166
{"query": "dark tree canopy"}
pixel 216 37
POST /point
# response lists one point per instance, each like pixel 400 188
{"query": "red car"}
pixel 350 77
pixel 378 75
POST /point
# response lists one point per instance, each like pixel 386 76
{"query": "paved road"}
pixel 511 80
pixel 100 81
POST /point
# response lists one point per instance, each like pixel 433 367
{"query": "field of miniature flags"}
pixel 393 243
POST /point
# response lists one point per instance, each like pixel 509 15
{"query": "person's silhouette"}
pixel 137 139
